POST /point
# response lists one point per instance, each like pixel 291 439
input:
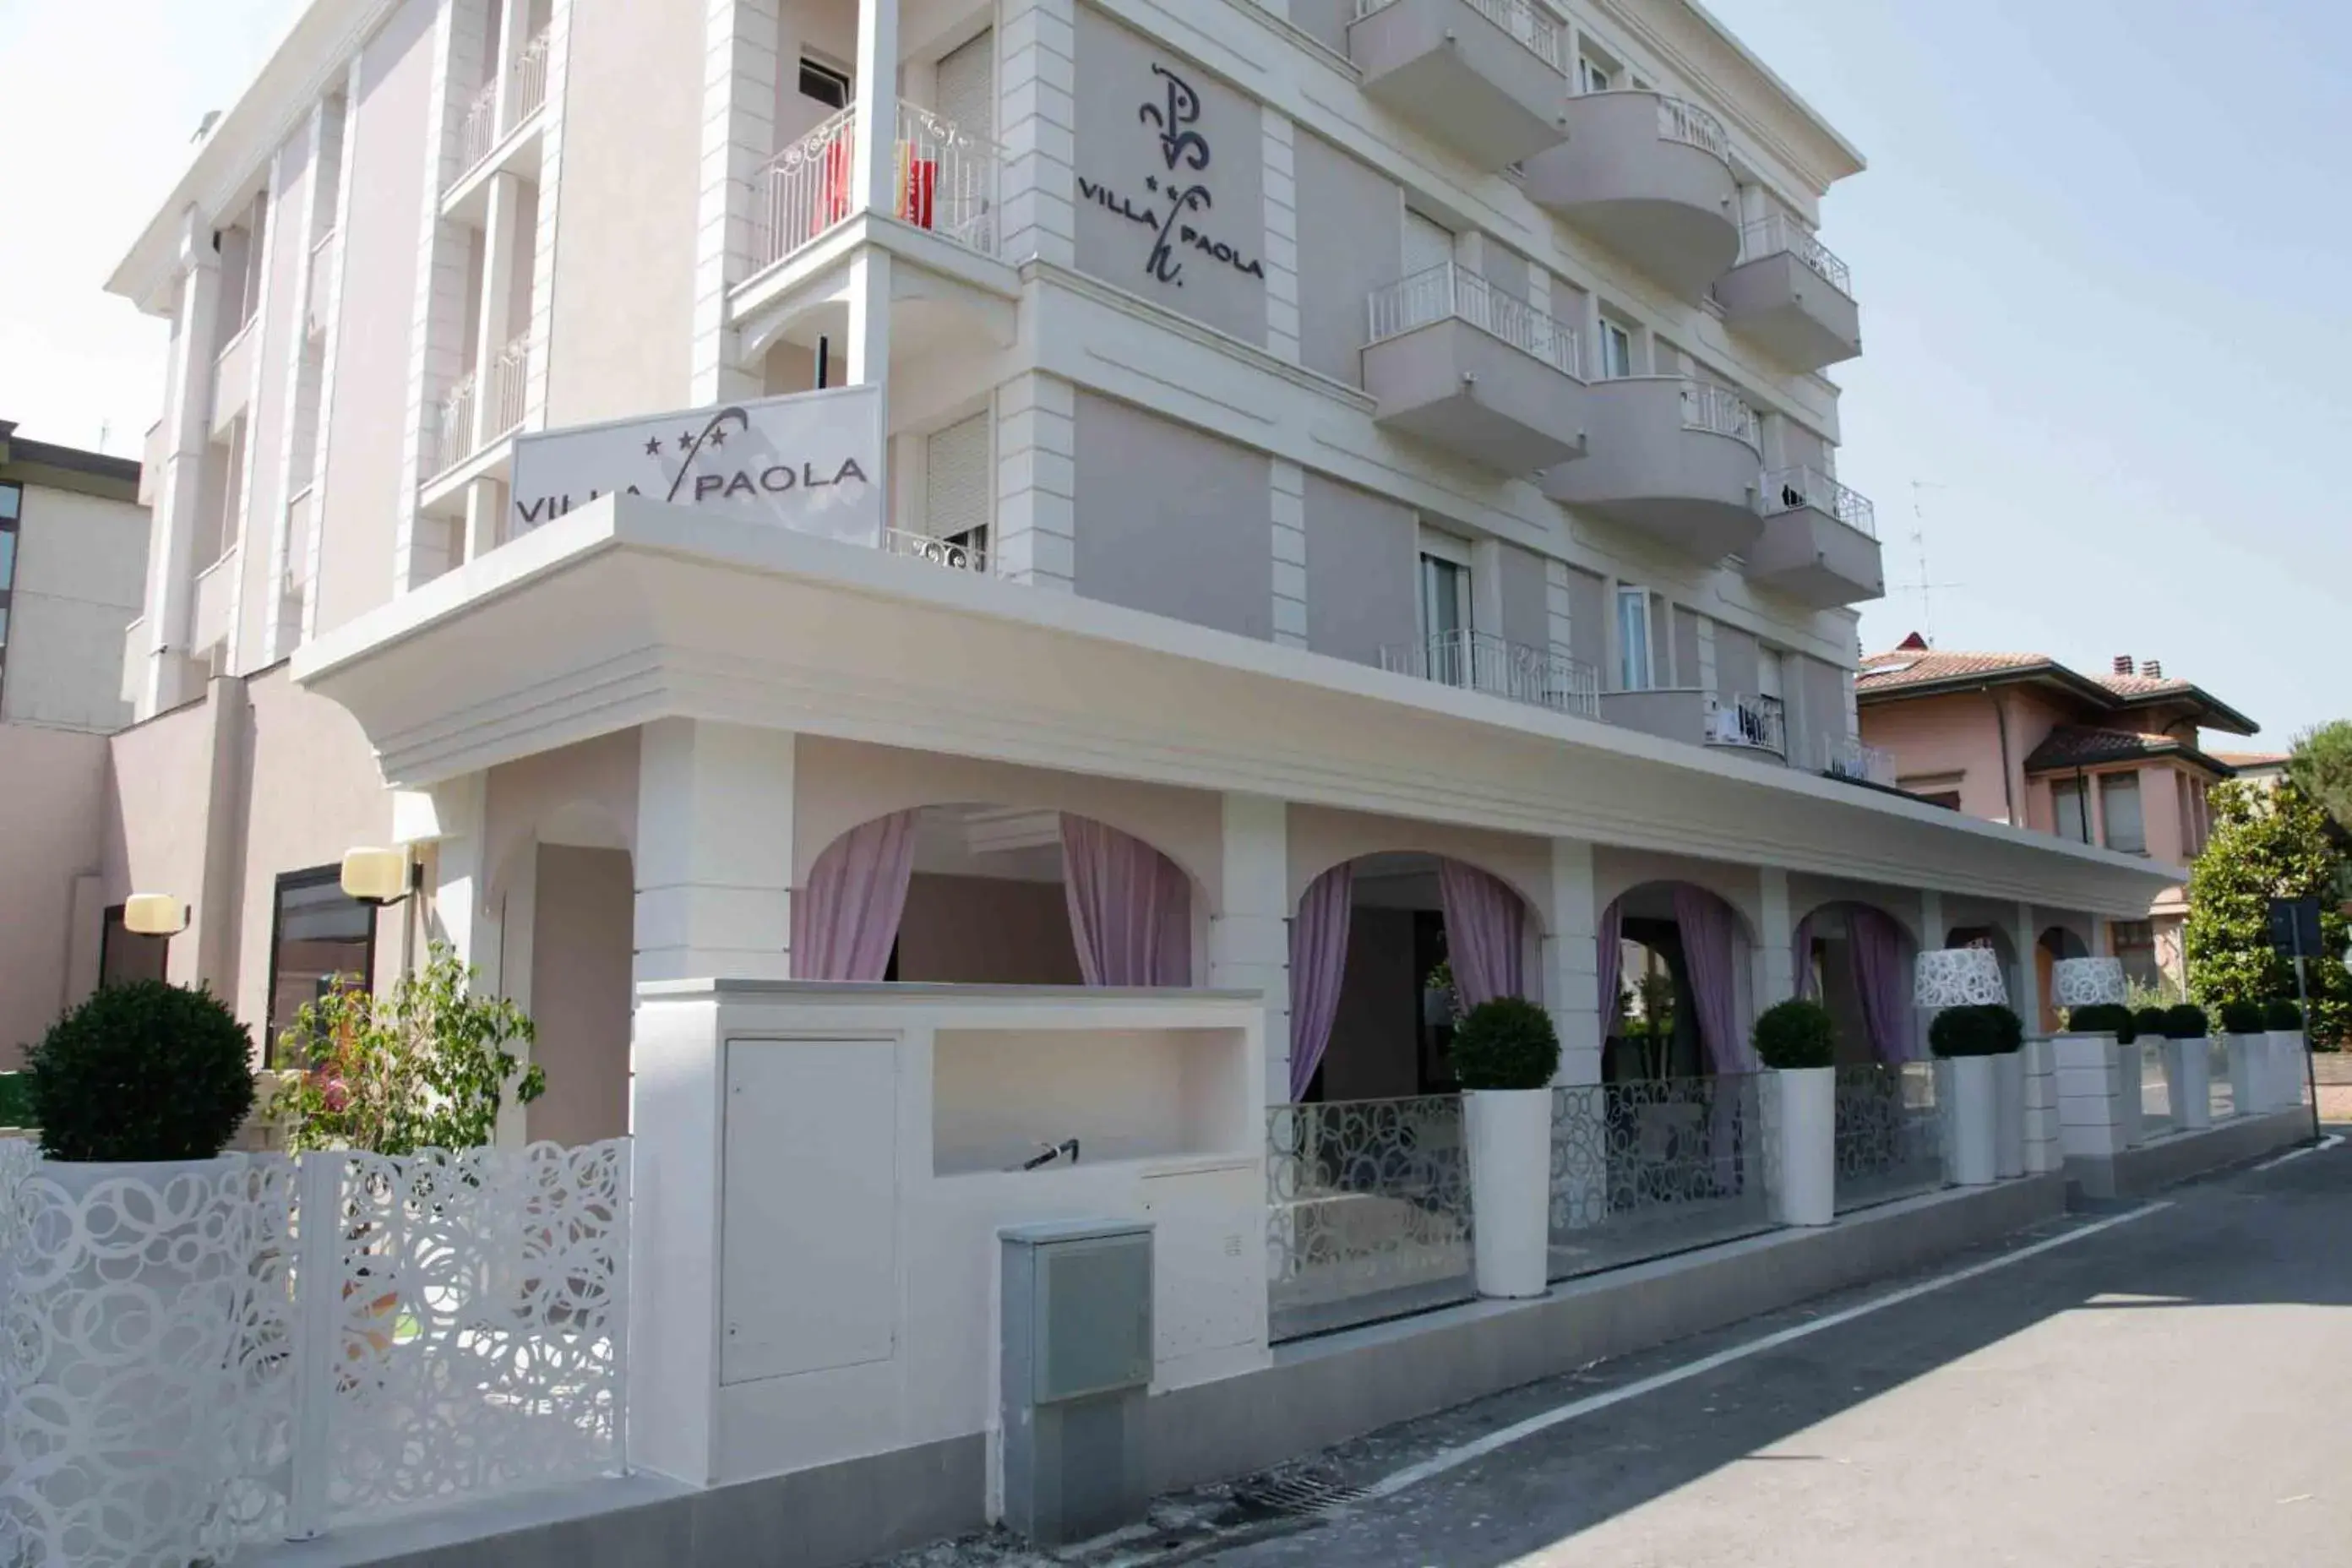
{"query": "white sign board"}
pixel 809 461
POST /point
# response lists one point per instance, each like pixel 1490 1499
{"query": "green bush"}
pixel 2104 1018
pixel 1989 1030
pixel 2282 1016
pixel 1796 1034
pixel 1507 1043
pixel 141 1071
pixel 16 1101
pixel 2152 1022
pixel 2243 1018
pixel 2186 1022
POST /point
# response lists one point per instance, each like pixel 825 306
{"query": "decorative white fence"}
pixel 1890 1133
pixel 946 181
pixel 1778 233
pixel 1787 490
pixel 1722 412
pixel 1448 291
pixel 1693 126
pixel 1368 1211
pixel 253 1348
pixel 1483 662
pixel 1649 1166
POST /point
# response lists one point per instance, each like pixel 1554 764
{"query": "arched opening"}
pixel 993 895
pixel 1386 952
pixel 2056 944
pixel 1676 984
pixel 1857 959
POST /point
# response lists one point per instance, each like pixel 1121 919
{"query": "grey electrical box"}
pixel 1077 1368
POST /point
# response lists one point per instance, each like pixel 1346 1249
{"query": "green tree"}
pixel 427 1067
pixel 2264 846
pixel 2321 766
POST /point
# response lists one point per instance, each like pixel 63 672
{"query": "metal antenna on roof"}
pixel 1924 588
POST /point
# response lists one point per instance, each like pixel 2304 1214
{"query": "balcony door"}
pixel 1445 608
pixel 1636 671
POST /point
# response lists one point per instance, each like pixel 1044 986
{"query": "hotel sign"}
pixel 1175 204
pixel 809 461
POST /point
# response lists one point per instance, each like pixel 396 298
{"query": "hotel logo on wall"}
pixel 1176 200
pixel 806 461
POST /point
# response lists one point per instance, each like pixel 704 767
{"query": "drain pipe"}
pixel 2001 723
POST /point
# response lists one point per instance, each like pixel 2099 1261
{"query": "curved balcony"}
pixel 1486 76
pixel 1457 362
pixel 1791 296
pixel 1650 177
pixel 1676 458
pixel 1820 543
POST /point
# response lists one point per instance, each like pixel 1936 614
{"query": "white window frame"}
pixel 812 61
pixel 1643 650
pixel 1455 551
pixel 1616 331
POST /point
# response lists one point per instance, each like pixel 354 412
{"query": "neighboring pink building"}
pixel 2111 760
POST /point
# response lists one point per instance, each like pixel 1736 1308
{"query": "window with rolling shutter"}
pixel 967 86
pixel 956 489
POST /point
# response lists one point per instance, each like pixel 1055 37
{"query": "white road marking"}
pixel 2300 1150
pixel 1478 1448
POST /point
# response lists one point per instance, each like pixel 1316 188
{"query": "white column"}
pixel 1571 961
pixel 1036 481
pixel 451 819
pixel 1249 934
pixel 1039 117
pixel 740 71
pixel 1289 489
pixel 312 547
pixel 169 679
pixel 1775 963
pixel 714 862
pixel 494 327
pixel 1485 588
pixel 550 191
pixel 1932 928
pixel 1281 204
pixel 514 16
pixel 868 354
pixel 875 147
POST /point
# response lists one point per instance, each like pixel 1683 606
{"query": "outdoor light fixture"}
pixel 379 876
pixel 1959 977
pixel 155 914
pixel 2086 981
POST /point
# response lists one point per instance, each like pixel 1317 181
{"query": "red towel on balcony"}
pixel 918 179
pixel 832 200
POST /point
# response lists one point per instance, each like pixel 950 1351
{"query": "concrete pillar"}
pixel 1249 932
pixel 169 679
pixel 1776 962
pixel 1571 961
pixel 1036 482
pixel 2025 935
pixel 714 862
pixel 875 89
pixel 1932 930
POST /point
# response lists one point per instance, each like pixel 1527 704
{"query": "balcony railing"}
pixel 1482 662
pixel 1693 126
pixel 946 182
pixel 969 553
pixel 1448 291
pixel 1722 412
pixel 478 410
pixel 452 435
pixel 1543 37
pixel 1749 723
pixel 1780 233
pixel 322 279
pixel 526 92
pixel 1788 489
pixel 485 124
pixel 1844 757
pixel 478 132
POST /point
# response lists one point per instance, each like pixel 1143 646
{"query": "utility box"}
pixel 1077 1370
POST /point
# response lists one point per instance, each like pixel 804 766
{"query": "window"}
pixel 125 955
pixel 1767 673
pixel 1616 345
pixel 1950 799
pixel 1445 597
pixel 1592 76
pixel 320 939
pixel 966 89
pixel 2119 805
pixel 2066 799
pixel 956 489
pixel 824 84
pixel 1427 244
pixel 1634 664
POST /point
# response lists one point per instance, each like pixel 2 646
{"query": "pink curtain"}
pixel 1131 908
pixel 1610 965
pixel 1879 974
pixel 1486 927
pixel 1706 924
pixel 845 920
pixel 1800 951
pixel 1319 965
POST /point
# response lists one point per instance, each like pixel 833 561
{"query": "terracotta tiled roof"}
pixel 1888 672
pixel 2144 686
pixel 1915 667
pixel 2242 759
pixel 2084 746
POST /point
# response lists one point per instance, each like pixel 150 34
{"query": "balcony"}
pixel 1844 757
pixel 1729 721
pixel 502 107
pixel 1675 458
pixel 947 184
pixel 1650 177
pixel 1478 661
pixel 964 553
pixel 215 605
pixel 1820 544
pixel 151 459
pixel 232 375
pixel 1791 296
pixel 1486 76
pixel 480 410
pixel 1458 363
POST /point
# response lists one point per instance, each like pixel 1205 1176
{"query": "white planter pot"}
pixel 2131 1068
pixel 2188 1068
pixel 1509 1132
pixel 2008 1109
pixel 1804 1136
pixel 1972 1143
pixel 2246 1072
pixel 2287 1069
pixel 130 1294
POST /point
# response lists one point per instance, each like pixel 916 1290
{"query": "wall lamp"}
pixel 155 914
pixel 380 877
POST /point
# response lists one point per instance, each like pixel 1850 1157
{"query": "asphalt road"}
pixel 2170 1390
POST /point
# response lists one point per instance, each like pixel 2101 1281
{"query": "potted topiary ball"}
pixel 1505 1055
pixel 2103 1018
pixel 141 1073
pixel 1797 1041
pixel 1970 1040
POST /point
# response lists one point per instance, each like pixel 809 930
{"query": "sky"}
pixel 2101 251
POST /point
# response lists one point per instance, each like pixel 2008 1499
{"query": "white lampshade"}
pixel 1959 977
pixel 378 876
pixel 2086 981
pixel 155 914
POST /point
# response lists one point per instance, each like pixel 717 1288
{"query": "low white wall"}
pixel 820 1192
